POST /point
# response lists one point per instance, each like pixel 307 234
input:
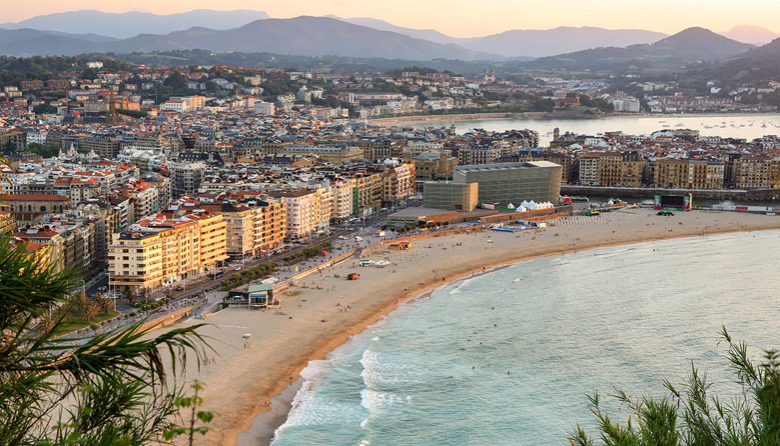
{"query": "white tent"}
pixel 510 206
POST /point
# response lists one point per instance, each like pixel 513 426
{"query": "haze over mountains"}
pixel 80 32
pixel 690 45
pixel 133 23
pixel 754 35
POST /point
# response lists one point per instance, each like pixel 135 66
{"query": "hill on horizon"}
pixel 133 23
pixel 560 40
pixel 690 45
pixel 305 36
pixel 751 34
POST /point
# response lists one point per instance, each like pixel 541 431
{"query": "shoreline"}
pixel 426 291
pixel 238 405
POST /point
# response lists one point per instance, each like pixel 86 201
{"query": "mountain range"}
pixel 89 31
pixel 526 42
pixel 133 23
pixel 690 45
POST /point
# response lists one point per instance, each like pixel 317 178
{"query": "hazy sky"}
pixel 461 18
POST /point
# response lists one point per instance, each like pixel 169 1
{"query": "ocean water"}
pixel 727 126
pixel 506 358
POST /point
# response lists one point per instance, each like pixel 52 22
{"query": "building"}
pixel 398 182
pixel 451 196
pixel 135 260
pixel 28 208
pixel 700 174
pixel 334 155
pixel 167 247
pixel 186 176
pixel 590 164
pixel 145 197
pixel 434 166
pixel 757 172
pixel 538 181
pixel 304 212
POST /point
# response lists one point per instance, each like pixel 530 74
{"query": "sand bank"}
pixel 241 382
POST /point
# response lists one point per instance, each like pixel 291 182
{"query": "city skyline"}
pixel 457 19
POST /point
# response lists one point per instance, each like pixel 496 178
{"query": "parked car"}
pixel 665 212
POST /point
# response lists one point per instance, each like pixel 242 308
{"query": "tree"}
pixel 103 303
pixel 44 108
pixel 692 415
pixel 91 311
pixel 130 295
pixel 176 81
pixel 89 73
pixel 110 390
pixel 81 303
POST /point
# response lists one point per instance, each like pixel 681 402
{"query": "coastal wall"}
pixel 168 319
pixel 641 192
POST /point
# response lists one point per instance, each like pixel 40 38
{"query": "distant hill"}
pixel 427 34
pixel 307 36
pixel 132 23
pixel 754 35
pixel 690 45
pixel 31 42
pixel 564 39
pixel 757 64
pixel 528 43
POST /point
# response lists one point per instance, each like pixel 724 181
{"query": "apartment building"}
pixel 590 169
pixel 434 165
pixel 169 246
pixel 398 182
pixel 135 260
pixel 368 193
pixel 186 176
pixel 303 212
pixel 689 173
pixel 145 197
pixel 671 173
pixel 342 200
pixel 757 172
pixel 620 169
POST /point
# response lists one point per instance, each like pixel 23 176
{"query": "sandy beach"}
pixel 316 318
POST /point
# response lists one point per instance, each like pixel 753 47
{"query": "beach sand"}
pixel 241 382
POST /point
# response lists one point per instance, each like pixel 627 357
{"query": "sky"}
pixel 460 18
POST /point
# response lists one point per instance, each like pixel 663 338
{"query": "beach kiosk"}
pixel 261 295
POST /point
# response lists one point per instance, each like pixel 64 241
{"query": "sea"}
pixel 728 126
pixel 507 357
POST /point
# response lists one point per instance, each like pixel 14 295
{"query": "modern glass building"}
pixel 506 183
